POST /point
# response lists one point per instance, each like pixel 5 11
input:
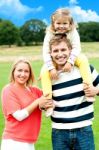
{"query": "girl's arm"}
pixel 76 47
pixel 46 51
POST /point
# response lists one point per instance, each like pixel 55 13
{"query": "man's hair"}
pixel 58 38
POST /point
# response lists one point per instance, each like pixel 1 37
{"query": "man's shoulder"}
pixel 77 69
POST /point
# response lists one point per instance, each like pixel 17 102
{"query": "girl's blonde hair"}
pixel 18 61
pixel 62 12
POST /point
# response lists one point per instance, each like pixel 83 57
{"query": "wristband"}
pixel 42 108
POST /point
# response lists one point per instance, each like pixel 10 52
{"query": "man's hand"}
pixel 90 90
pixel 53 74
pixel 68 67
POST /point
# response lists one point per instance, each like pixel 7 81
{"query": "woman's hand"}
pixel 45 103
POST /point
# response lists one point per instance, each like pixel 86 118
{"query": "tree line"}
pixel 33 32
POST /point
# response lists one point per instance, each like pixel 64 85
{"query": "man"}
pixel 73 115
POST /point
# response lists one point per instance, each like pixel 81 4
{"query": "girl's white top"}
pixel 74 38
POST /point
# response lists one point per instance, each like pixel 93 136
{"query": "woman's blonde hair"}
pixel 62 12
pixel 18 61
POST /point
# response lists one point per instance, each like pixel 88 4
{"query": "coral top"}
pixel 13 99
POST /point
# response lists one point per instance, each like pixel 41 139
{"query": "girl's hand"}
pixel 67 67
pixel 53 74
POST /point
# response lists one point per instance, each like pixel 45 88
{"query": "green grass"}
pixel 90 47
pixel 17 51
pixel 44 141
pixel 37 50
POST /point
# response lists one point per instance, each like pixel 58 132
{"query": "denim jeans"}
pixel 73 139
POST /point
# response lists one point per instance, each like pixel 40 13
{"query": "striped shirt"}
pixel 72 110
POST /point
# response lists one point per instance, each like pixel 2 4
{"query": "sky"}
pixel 20 11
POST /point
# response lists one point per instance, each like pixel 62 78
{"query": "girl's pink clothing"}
pixel 13 99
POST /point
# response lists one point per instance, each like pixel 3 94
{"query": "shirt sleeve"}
pixel 20 114
pixel 46 51
pixel 10 102
pixel 74 38
pixel 37 91
pixel 95 76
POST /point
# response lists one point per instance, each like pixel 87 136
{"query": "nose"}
pixel 61 25
pixel 22 73
pixel 59 53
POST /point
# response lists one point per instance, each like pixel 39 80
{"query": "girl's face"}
pixel 21 73
pixel 61 25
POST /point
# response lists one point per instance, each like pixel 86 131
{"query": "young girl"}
pixel 63 23
pixel 20 105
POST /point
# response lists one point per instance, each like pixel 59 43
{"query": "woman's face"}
pixel 21 73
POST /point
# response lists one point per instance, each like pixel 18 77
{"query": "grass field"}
pixel 44 141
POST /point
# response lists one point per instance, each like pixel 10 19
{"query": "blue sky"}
pixel 19 11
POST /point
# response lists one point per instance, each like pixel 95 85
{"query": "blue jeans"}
pixel 73 139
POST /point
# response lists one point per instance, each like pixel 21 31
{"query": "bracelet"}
pixel 42 108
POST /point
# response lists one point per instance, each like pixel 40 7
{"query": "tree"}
pixel 0 19
pixel 33 31
pixel 89 31
pixel 8 33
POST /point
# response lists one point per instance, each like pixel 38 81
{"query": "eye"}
pixel 65 23
pixel 55 51
pixel 58 23
pixel 63 49
pixel 19 70
pixel 26 71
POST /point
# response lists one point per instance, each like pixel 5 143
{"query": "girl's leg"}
pixel 83 64
pixel 46 83
pixel 46 87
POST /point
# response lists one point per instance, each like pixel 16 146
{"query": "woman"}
pixel 20 104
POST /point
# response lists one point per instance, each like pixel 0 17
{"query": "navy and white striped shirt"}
pixel 72 110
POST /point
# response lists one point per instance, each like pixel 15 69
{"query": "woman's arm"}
pixel 42 102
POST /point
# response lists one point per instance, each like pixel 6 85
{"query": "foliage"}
pixel 33 31
pixel 8 33
pixel 89 31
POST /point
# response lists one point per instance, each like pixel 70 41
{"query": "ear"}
pixel 50 53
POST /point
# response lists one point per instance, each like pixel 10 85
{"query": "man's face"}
pixel 60 54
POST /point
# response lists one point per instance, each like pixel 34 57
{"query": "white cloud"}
pixel 73 2
pixel 15 9
pixel 46 21
pixel 81 15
